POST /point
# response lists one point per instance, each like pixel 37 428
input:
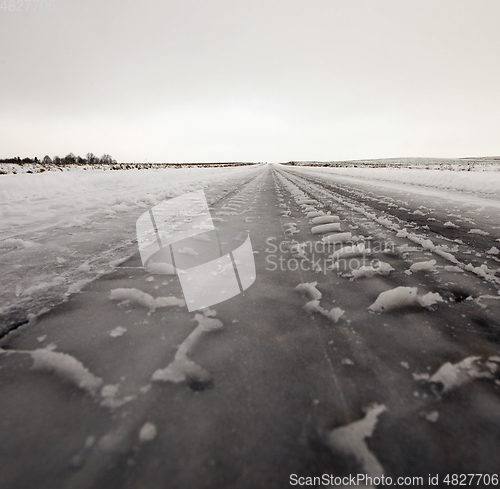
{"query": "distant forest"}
pixel 69 159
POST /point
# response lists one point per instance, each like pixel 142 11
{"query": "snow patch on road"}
pixel 483 271
pixel 337 238
pixel 402 297
pixel 370 271
pixel 347 361
pixel 109 394
pixel 67 367
pixel 118 331
pixel 309 289
pixel 454 375
pixel 479 231
pixel 423 265
pixel 147 432
pixel 351 440
pixel 182 368
pixel 141 298
pixel 333 314
pixel 314 214
pixel 432 416
pixel 62 364
pixel 325 219
pixel 326 228
pixel 350 252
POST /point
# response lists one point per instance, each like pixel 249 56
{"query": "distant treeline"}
pixel 69 159
pixel 105 162
pixel 92 159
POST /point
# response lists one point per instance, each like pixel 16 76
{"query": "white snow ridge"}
pixel 67 367
pixel 64 365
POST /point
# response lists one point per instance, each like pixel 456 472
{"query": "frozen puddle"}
pixel 182 368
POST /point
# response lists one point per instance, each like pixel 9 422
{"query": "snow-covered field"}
pixel 17 168
pixel 452 164
pixel 60 230
pixel 486 181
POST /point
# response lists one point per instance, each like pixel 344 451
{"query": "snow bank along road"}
pixel 367 344
pixel 59 231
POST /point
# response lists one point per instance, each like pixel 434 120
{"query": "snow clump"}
pixel 309 289
pixel 148 432
pixel 423 265
pixel 402 297
pixel 453 375
pixel 141 298
pixel 369 271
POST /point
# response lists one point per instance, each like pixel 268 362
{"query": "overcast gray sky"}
pixel 259 80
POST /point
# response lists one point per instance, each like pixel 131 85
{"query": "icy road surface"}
pixel 369 342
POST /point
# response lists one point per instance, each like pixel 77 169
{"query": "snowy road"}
pixel 367 344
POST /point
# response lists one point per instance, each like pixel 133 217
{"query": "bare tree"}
pixel 47 160
pixel 91 158
pixel 106 159
pixel 70 159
